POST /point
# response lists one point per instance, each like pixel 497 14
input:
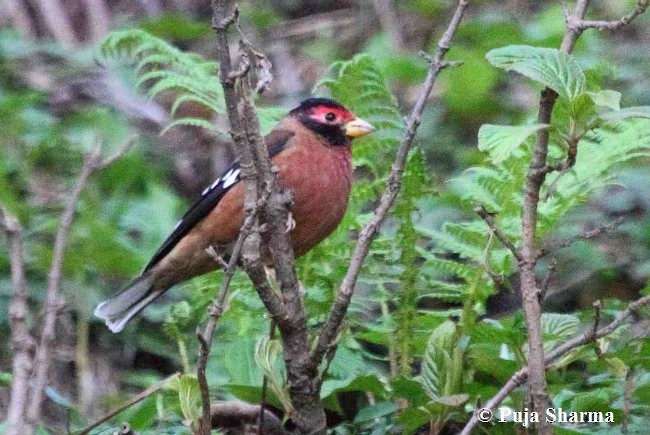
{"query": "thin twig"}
pixel 586 337
pixel 627 398
pixel 54 301
pixel 132 401
pixel 216 310
pixel 615 24
pixel 119 153
pixel 212 252
pixel 494 229
pixel 597 306
pixel 547 279
pixel 22 342
pixel 586 235
pixel 328 334
pixel 565 166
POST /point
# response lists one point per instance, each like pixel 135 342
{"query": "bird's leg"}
pixel 291 223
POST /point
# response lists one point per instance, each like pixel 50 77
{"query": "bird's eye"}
pixel 330 116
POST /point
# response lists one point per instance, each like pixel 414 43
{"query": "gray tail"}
pixel 122 307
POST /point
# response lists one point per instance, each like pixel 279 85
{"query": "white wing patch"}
pixel 228 179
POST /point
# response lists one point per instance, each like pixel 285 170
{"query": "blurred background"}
pixel 58 98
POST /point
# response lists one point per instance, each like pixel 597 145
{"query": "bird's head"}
pixel 331 120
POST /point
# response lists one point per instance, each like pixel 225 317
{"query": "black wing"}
pixel 209 200
pixel 211 197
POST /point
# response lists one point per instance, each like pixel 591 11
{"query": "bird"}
pixel 311 148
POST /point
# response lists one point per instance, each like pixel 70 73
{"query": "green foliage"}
pixel 163 68
pixel 189 398
pixel 418 347
pixel 550 67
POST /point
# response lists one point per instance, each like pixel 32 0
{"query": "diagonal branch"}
pixel 132 401
pixel 489 220
pixel 328 335
pixel 54 300
pixel 586 235
pixel 588 336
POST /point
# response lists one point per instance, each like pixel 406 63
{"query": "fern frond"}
pixel 161 67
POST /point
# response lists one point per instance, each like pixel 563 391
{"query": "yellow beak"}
pixel 357 128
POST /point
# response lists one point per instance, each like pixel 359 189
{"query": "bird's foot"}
pixel 291 223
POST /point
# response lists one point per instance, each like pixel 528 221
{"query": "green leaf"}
pixel 192 122
pixel 559 326
pixel 627 113
pixel 550 67
pixel 368 383
pixel 442 363
pixel 189 397
pixel 266 356
pixel 375 411
pixel 5 379
pixel 606 98
pixel 503 141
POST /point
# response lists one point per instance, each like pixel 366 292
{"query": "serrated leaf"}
pixel 503 141
pixel 558 326
pixel 606 98
pixel 442 363
pixel 550 67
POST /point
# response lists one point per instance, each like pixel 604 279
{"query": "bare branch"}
pixel 328 334
pixel 212 252
pixel 597 306
pixel 389 20
pixel 586 337
pixel 259 177
pixel 489 220
pixel 641 6
pixel 528 256
pixel 234 414
pixel 22 343
pixel 586 235
pixel 54 301
pixel 627 399
pixel 57 22
pixel 547 279
pixel 217 307
pixel 132 401
pixel 121 151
